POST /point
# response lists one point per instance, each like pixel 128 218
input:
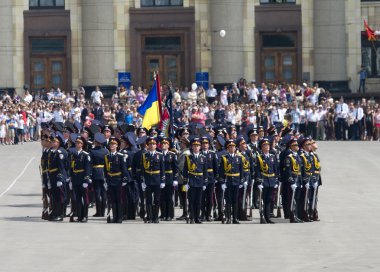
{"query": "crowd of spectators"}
pixel 311 110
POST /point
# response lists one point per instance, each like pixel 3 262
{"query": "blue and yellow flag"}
pixel 151 108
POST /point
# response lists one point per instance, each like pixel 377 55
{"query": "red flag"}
pixel 370 32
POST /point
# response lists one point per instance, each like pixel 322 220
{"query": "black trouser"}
pixel 152 201
pixel 81 201
pixel 132 200
pixel 219 199
pixel 195 195
pixel 100 196
pixel 286 193
pixel 116 204
pixel 267 200
pixel 312 129
pixel 57 194
pixel 231 194
pixel 167 205
pixel 298 202
pixel 207 200
pixel 183 199
pixel 341 129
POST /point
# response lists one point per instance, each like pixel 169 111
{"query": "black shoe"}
pixel 183 217
pixel 119 221
pixel 156 221
pixel 84 220
pixel 228 221
pixel 97 215
pixel 168 219
pixel 271 215
pixel 198 222
pixel 270 221
pixel 235 222
pixel 208 219
pixel 57 218
pixel 192 221
pixel 218 219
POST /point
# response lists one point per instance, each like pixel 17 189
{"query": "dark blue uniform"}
pixel 249 172
pixel 80 173
pixel 130 190
pixel 116 173
pixel 45 178
pixel 292 176
pixel 137 174
pixel 307 170
pixel 196 176
pixel 231 173
pixel 57 161
pixel 218 189
pixel 154 175
pixel 212 173
pixel 267 175
pixel 167 205
pixel 97 155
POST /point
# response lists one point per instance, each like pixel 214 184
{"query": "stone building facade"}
pixel 70 43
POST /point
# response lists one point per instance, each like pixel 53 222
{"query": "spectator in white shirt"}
pixel 253 93
pixel 321 123
pixel 341 112
pixel 211 94
pixel 97 96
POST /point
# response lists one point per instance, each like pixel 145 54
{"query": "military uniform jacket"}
pixel 170 159
pixel 248 164
pixel 267 169
pixel 98 162
pixel 316 176
pixel 212 165
pixel 129 154
pixel 195 170
pixel 181 164
pixel 292 173
pixel 44 166
pixel 307 168
pixel 137 166
pixel 80 168
pixel 231 170
pixel 282 165
pixel 153 168
pixel 57 162
pixel 115 169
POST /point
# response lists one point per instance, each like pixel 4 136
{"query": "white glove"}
pixel 143 186
pixel 253 181
pixel 315 185
pixel 162 185
pixel 85 185
pixel 240 186
pixel 260 187
pixel 187 187
pixel 204 188
pixel 124 184
pixel 70 186
pixel 293 186
pixel 307 186
pixel 175 183
pixel 49 185
pixel 89 181
pixel 59 183
pixel 276 186
pixel 245 184
pixel 224 187
pixel 105 186
pixel 43 186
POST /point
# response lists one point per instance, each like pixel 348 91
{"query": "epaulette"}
pixel 85 152
pixel 171 152
pixel 201 155
pixel 120 154
pixel 212 151
pixel 59 151
pixel 159 153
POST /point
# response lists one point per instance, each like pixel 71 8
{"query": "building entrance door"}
pixel 167 65
pixel 279 66
pixel 47 72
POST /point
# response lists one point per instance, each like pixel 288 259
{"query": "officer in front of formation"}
pixel 317 181
pixel 153 179
pixel 97 155
pixel 57 159
pixel 293 180
pixel 267 177
pixel 171 180
pixel 220 151
pixel 307 170
pixel 231 176
pixel 44 170
pixel 116 175
pixel 80 173
pixel 195 177
pixel 212 173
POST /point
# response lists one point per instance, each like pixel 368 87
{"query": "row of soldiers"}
pixel 216 175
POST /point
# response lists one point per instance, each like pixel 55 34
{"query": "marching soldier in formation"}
pixel 116 175
pixel 44 170
pixel 153 179
pixel 316 181
pixel 57 162
pixel 171 182
pixel 212 172
pixel 182 188
pixel 195 177
pixel 80 173
pixel 231 177
pixel 307 171
pixel 97 155
pixel 267 178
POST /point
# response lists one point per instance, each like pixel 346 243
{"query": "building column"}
pixel 228 52
pixel 76 40
pixel 6 44
pixel 98 42
pixel 307 41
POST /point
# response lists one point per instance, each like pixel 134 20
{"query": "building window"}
pixel 47 46
pixel 161 3
pixel 371 56
pixel 277 1
pixel 278 40
pixel 46 4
